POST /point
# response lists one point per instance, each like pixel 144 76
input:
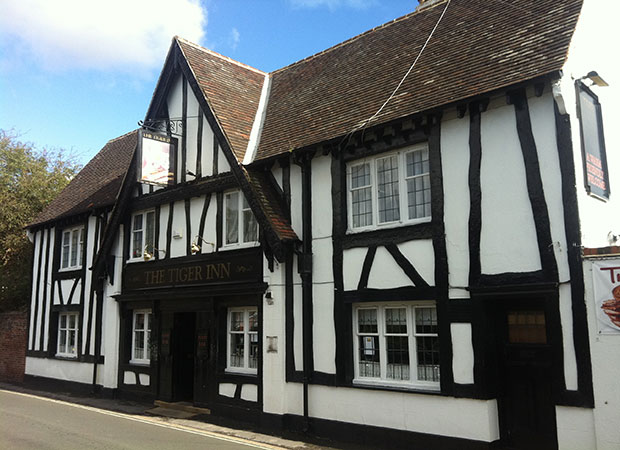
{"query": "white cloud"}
pixel 93 34
pixel 333 4
pixel 234 38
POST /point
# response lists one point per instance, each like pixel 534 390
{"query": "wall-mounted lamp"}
pixel 595 78
pixel 149 255
pixel 196 248
pixel 269 297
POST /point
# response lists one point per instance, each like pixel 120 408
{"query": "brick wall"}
pixel 13 341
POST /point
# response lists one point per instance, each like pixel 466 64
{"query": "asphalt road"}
pixel 29 422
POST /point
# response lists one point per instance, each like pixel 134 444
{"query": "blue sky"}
pixel 76 73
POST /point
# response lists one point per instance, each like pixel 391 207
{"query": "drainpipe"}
pixel 304 260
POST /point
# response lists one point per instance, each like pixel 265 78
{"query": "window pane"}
pixel 232 218
pixel 253 319
pixel 137 222
pixel 417 163
pixel 139 325
pixel 253 360
pixel 236 350
pixel 137 245
pixel 72 320
pixel 361 204
pixel 396 320
pixel 149 317
pixel 148 343
pixel 360 176
pixel 66 243
pixel 62 342
pixel 527 327
pixel 150 231
pixel 250 227
pixel 367 320
pixel 428 358
pixel 71 348
pixel 63 321
pixel 426 320
pixel 74 248
pixel 397 348
pixel 387 189
pixel 369 365
pixel 138 345
pixel 236 321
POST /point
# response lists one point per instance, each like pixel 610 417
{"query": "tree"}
pixel 29 180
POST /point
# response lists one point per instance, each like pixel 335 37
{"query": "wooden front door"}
pixel 526 406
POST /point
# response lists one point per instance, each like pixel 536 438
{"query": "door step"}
pixel 186 407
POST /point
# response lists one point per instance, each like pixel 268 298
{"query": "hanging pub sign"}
pixel 606 276
pixel 593 143
pixel 156 157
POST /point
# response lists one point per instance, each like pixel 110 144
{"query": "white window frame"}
pixel 148 319
pixel 246 340
pixel 402 190
pixel 145 215
pixel 71 247
pixel 240 223
pixel 412 333
pixel 68 330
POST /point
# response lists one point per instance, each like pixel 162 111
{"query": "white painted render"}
pixel 323 330
pixel 259 120
pixel 191 133
pixel 455 168
pixel 421 255
pixel 227 389
pixel 60 369
pixel 209 232
pixel 444 416
pixel 144 378
pixel 63 286
pixel 110 329
pixel 177 244
pixel 507 219
pixel 594 40
pixel 207 148
pixel 222 162
pixel 249 392
pixel 129 377
pixel 353 259
pixel 321 197
pixel 385 273
pixel 576 429
pixel 175 111
pixel 48 287
pixel 462 353
pixel 296 222
pixel 33 300
pixel 568 344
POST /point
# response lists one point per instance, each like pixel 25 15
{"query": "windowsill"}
pixel 403 387
pixel 388 225
pixel 66 357
pixel 139 260
pixel 240 371
pixel 226 247
pixel 140 362
pixel 70 269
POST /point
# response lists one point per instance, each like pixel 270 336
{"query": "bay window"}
pixel 396 343
pixel 242 340
pixel 390 189
pixel 72 248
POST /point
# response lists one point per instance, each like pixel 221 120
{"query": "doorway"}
pixel 526 406
pixel 183 352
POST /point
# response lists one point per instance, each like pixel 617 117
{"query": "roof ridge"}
pixel 354 38
pixel 120 137
pixel 219 55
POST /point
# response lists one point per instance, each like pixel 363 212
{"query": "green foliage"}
pixel 29 180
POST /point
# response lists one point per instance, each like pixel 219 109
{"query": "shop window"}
pixel 140 344
pixel 72 248
pixel 67 334
pixel 239 222
pixel 142 234
pixel 242 342
pixel 390 189
pixel 396 344
pixel 592 143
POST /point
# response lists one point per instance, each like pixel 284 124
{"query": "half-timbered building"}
pixel 383 238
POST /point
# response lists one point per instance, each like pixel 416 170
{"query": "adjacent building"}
pixel 384 238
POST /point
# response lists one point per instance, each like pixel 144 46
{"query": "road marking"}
pixel 153 421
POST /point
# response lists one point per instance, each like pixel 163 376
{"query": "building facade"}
pixel 314 257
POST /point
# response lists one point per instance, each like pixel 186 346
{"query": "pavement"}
pixel 199 423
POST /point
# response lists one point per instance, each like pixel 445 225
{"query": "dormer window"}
pixel 72 247
pixel 239 222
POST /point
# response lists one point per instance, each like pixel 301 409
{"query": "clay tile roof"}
pixel 96 185
pixel 232 90
pixel 479 46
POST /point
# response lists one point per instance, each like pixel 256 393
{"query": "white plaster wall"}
pixel 207 148
pixel 192 132
pixel 66 286
pixel 507 220
pixel 455 167
pixel 210 231
pixel 323 330
pixel 90 253
pixel 462 353
pixel 110 328
pixel 543 128
pixel 144 378
pixel 421 255
pixel 195 211
pixel 35 266
pixel 385 273
pixel 296 221
pixel 177 246
pixel 298 327
pixel 129 377
pixel 576 429
pixel 322 271
pixel 444 416
pixel 321 197
pixel 227 389
pixel 352 262
pixel 604 350
pixel 164 211
pixel 249 392
pixel 222 162
pixel 48 287
pixel 175 111
pixel 568 344
pixel 41 287
pixel 276 170
pixel 60 369
pixel 594 40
